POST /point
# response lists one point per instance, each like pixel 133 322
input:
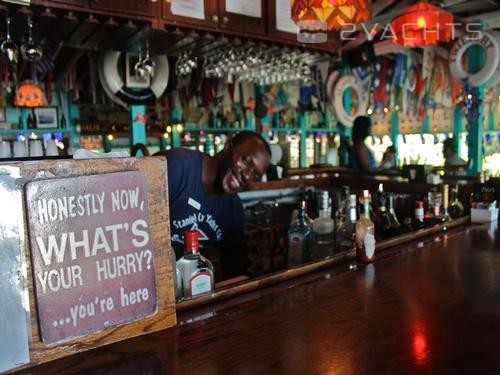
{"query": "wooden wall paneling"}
pixel 83 31
pixel 105 29
pixel 241 23
pixel 142 7
pixel 165 315
pixel 56 3
pixel 63 29
pixel 108 5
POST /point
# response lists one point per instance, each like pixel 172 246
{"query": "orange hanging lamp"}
pixel 30 95
pixel 422 24
pixel 335 13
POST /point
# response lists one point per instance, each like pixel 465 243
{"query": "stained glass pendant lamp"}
pixel 422 24
pixel 335 13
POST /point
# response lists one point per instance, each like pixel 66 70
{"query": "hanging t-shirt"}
pixel 218 217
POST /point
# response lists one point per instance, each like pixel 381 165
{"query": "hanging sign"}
pixel 188 8
pixel 91 252
pixel 245 8
pixel 284 21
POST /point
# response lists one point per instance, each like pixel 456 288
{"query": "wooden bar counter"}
pixel 430 306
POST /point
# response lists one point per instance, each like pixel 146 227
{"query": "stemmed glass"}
pixel 8 46
pixel 30 50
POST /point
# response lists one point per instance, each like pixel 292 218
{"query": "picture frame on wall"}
pixel 46 117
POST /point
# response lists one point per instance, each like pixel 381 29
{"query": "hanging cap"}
pixel 191 240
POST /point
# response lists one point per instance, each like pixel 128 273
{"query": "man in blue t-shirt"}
pixel 202 195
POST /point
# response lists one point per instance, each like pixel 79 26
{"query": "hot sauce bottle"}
pixel 365 233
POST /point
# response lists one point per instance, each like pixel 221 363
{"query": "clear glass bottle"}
pixel 456 209
pixel 299 239
pixel 346 231
pixel 393 222
pixel 197 272
pixel 323 228
pixel 365 233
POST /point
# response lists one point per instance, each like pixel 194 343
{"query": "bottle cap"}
pixel 191 241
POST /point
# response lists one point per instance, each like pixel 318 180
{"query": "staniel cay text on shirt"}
pixel 91 250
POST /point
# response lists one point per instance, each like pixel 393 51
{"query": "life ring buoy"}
pixel 112 81
pixel 495 78
pixel 342 84
pixel 330 83
pixel 490 45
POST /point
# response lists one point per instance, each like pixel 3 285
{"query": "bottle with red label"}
pixel 419 215
pixel 197 272
pixel 365 233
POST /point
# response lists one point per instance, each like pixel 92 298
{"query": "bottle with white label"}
pixel 197 272
pixel 365 233
pixel 323 228
pixel 299 238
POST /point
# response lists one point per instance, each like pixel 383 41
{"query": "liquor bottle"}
pixel 419 215
pixel 63 123
pixel 380 219
pixel 365 233
pixel 299 238
pixel 346 230
pixel 456 208
pixel 394 226
pixel 323 229
pixel 446 201
pixel 31 122
pixel 197 272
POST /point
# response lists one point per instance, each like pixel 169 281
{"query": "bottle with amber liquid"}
pixel 196 272
pixel 456 208
pixel 365 233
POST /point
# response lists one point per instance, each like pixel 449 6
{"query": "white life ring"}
pixel 490 45
pixel 495 78
pixel 330 83
pixel 338 96
pixel 112 82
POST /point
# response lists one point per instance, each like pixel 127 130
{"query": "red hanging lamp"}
pixel 335 13
pixel 422 24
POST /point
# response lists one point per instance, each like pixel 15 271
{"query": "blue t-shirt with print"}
pixel 218 217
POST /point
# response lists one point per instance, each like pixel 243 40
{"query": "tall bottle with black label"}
pixel 299 238
pixel 197 272
pixel 365 233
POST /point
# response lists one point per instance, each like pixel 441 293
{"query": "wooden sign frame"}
pixel 155 171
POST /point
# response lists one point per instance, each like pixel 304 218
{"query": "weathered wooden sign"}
pixel 91 252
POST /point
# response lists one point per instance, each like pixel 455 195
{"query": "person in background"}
pixel 388 159
pixel 202 195
pixel 360 156
pixel 450 153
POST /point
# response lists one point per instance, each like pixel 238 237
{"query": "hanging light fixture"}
pixel 422 24
pixel 335 13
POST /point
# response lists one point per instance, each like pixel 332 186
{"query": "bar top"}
pixel 430 306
